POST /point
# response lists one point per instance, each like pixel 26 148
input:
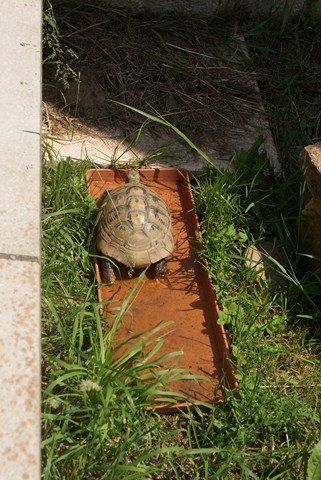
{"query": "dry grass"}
pixel 191 71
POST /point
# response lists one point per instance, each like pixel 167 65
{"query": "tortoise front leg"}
pixel 107 272
pixel 161 268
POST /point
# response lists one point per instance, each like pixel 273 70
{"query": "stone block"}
pixel 267 260
pixel 310 220
pixel 311 158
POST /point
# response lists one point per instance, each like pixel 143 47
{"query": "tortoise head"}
pixel 133 176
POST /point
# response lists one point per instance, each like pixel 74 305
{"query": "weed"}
pixel 54 53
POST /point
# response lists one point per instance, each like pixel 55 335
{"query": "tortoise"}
pixel 134 228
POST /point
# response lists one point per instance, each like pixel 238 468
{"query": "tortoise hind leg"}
pixel 107 273
pixel 161 268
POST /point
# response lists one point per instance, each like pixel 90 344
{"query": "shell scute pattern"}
pixel 135 226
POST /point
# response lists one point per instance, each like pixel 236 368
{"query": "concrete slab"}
pixel 19 369
pixel 218 134
pixel 20 120
pixel 110 149
pixel 20 126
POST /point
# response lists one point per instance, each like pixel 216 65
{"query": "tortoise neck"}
pixel 133 177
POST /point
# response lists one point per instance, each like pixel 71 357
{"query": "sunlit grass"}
pixel 95 422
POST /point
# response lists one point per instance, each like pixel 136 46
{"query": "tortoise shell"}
pixel 135 225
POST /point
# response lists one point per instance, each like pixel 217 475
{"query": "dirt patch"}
pixel 191 71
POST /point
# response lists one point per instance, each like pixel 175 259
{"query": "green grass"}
pixel 95 422
pixel 286 58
